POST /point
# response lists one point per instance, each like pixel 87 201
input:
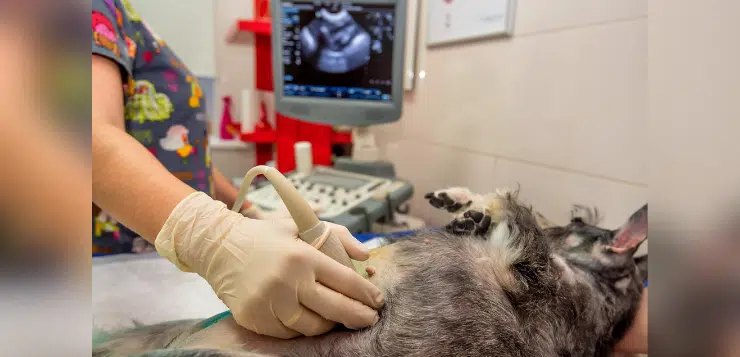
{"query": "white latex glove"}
pixel 274 283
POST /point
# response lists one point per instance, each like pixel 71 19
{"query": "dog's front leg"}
pixel 513 234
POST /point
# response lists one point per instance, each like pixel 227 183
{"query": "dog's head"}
pixel 607 254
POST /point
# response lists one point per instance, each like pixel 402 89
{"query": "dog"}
pixel 498 280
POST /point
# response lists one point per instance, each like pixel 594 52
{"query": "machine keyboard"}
pixel 334 192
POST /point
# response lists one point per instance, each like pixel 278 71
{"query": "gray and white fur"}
pixel 495 282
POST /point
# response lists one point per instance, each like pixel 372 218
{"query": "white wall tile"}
pixel 553 192
pixel 608 134
pixel 545 189
pixel 432 167
pixel 535 16
pixel 551 99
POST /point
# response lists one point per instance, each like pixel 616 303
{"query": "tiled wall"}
pixel 560 108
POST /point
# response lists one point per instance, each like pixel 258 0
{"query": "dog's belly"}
pixel 438 303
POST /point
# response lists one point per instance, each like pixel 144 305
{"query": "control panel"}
pixel 354 200
pixel 334 192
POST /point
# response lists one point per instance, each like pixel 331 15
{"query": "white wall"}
pixel 187 26
pixel 560 108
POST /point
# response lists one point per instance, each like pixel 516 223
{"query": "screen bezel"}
pixel 357 112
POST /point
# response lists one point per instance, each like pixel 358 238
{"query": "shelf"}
pixel 241 31
pixel 262 137
pixel 260 27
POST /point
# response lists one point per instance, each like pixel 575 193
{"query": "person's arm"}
pixel 127 181
pixel 636 339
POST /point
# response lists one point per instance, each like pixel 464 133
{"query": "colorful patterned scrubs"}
pixel 164 109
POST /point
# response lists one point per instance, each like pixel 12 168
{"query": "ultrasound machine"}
pixel 341 63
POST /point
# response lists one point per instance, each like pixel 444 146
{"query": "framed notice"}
pixel 450 21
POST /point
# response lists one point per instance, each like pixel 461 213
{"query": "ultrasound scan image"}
pixel 338 50
pixel 334 42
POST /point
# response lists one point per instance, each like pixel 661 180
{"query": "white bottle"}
pixel 303 157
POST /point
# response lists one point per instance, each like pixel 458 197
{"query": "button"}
pixel 358 196
pixel 344 203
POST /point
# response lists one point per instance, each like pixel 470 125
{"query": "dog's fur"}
pixel 499 281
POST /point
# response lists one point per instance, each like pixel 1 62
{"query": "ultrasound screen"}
pixel 337 50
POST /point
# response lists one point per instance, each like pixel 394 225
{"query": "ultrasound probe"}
pixel 310 229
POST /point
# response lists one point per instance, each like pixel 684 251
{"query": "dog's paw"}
pixel 453 199
pixel 470 223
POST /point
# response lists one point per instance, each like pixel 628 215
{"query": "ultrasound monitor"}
pixel 339 62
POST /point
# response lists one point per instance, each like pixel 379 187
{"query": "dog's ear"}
pixel 632 233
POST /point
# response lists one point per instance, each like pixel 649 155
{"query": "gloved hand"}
pixel 274 283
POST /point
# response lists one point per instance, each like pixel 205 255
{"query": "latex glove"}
pixel 274 283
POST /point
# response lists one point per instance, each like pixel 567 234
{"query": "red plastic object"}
pixel 290 131
pixel 229 128
pixel 287 136
pixel 260 27
pixel 320 138
pixel 262 8
pixel 264 137
pixel 263 63
pixel 263 124
pixel 341 137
